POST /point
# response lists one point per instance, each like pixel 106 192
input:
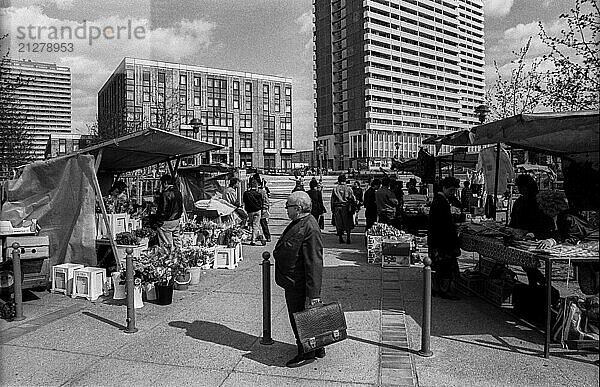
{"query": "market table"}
pixel 493 248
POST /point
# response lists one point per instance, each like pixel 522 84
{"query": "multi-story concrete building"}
pixel 44 98
pixel 390 73
pixel 250 114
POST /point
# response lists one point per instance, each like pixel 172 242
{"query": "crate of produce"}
pixel 470 283
pixel 499 291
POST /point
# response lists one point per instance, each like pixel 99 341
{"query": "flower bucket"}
pixel 164 294
pixel 195 273
pixel 182 281
pixel 119 293
pixel 137 297
pixel 150 291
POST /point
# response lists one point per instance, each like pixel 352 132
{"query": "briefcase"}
pixel 321 326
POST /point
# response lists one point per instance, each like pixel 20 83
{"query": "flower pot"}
pixel 119 293
pixel 182 281
pixel 150 292
pixel 195 273
pixel 137 297
pixel 164 294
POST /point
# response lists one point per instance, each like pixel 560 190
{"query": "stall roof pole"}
pixel 100 200
pixel 496 179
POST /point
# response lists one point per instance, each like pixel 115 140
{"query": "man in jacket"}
pixel 371 204
pixel 253 203
pixel 170 208
pixel 386 202
pixel 299 266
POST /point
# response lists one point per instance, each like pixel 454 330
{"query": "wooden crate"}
pixel 499 291
pixel 470 284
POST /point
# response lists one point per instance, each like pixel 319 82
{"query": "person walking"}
pixel 371 204
pixel 253 203
pixel 358 195
pixel 386 203
pixel 342 209
pixel 316 197
pixel 442 241
pixel 265 213
pixel 298 258
pixel 168 214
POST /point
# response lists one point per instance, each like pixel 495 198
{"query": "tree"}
pixel 16 141
pixel 521 92
pixel 574 82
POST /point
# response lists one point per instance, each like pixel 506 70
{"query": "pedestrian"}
pixel 230 195
pixel 466 195
pixel 253 203
pixel 371 204
pixel 316 197
pixel 358 195
pixel 299 186
pixel 386 203
pixel 169 211
pixel 298 258
pixel 265 212
pixel 442 241
pixel 343 203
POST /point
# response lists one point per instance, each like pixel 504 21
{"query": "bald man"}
pixel 299 266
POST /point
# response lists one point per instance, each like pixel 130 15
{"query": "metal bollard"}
pixel 18 278
pixel 426 325
pixel 129 291
pixel 266 277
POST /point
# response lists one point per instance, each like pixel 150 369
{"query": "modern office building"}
pixel 44 98
pixel 249 114
pixel 389 73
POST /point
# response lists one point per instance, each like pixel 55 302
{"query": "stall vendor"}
pixel 443 242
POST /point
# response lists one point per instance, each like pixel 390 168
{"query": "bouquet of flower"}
pixel 168 264
pixel 126 238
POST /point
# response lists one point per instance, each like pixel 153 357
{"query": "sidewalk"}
pixel 210 336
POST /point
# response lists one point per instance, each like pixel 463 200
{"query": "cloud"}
pixel 92 62
pixel 497 8
pixel 305 22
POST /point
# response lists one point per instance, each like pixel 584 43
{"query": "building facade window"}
pixel 266 98
pixel 248 96
pixel 288 100
pixel 270 162
pixel 197 91
pixel 245 120
pixel 246 160
pixel 62 146
pixel 236 94
pixel 269 132
pixel 286 162
pixel 146 86
pixel 245 140
pixel 277 98
pixel 216 91
pixel 286 132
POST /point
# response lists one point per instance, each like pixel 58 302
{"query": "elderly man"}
pixel 299 266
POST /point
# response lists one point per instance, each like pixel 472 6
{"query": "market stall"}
pixel 574 137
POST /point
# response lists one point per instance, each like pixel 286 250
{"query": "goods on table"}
pixel 379 233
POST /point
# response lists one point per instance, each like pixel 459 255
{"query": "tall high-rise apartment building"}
pixel 44 98
pixel 249 114
pixel 390 73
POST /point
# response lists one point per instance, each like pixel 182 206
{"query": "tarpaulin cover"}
pixel 59 193
pixel 145 148
pixel 571 134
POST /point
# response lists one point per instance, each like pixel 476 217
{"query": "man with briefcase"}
pixel 299 267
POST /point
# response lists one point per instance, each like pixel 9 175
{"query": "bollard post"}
pixel 425 350
pixel 129 291
pixel 18 278
pixel 266 277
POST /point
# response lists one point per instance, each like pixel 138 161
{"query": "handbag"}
pixel 321 326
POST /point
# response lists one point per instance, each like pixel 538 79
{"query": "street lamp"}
pixel 482 111
pixel 397 145
pixel 195 124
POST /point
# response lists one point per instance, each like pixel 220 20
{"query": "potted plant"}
pixel 171 267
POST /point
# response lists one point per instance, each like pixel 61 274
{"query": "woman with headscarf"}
pixel 342 208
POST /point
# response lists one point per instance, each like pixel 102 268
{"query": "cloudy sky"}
pixel 261 36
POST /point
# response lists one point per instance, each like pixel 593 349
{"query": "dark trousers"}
pixel 295 303
pixel 370 218
pixel 386 218
pixel 264 224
